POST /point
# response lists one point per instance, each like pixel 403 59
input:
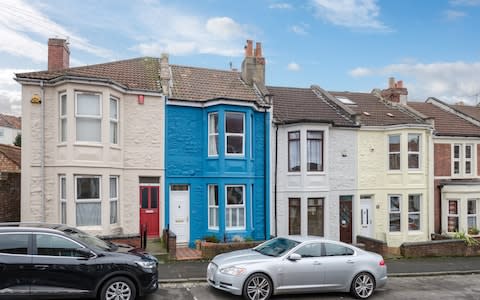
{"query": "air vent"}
pixel 390 115
pixel 366 113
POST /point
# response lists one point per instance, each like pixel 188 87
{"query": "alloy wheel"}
pixel 118 290
pixel 363 286
pixel 258 288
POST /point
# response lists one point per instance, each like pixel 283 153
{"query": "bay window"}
pixel 414 212
pixel 452 217
pixel 235 206
pixel 88 114
pixel 212 134
pixel 472 214
pixel 294 151
pixel 394 213
pixel 314 151
pixel 413 151
pixel 88 201
pixel 113 199
pixel 294 216
pixel 213 206
pixel 234 133
pixel 394 152
pixel 63 199
pixel 113 120
pixel 63 117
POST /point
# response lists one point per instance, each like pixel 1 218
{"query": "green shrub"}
pixel 211 239
pixel 468 239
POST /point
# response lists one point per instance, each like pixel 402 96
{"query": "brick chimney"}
pixel 253 65
pixel 58 54
pixel 395 91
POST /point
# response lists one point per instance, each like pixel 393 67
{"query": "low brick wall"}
pixel 439 248
pixel 209 250
pixel 373 245
pixel 10 197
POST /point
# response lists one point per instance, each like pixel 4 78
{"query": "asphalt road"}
pixel 401 288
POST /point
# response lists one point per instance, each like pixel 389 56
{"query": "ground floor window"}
pixel 315 216
pixel 394 213
pixel 63 199
pixel 414 212
pixel 235 206
pixel 452 218
pixel 472 207
pixel 113 199
pixel 88 201
pixel 213 206
pixel 294 216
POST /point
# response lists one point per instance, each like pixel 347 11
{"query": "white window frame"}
pixel 414 152
pixel 456 215
pixel 63 127
pixel 252 132
pixel 322 149
pixel 92 200
pixel 457 159
pixel 470 160
pixel 227 134
pixel 92 117
pixel 114 121
pixel 235 206
pixel 114 199
pixel 419 212
pixel 299 148
pixel 399 152
pixel 213 206
pixel 475 214
pixel 212 133
pixel 399 212
pixel 63 198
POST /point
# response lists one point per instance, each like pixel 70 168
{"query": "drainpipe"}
pixel 276 178
pixel 265 169
pixel 42 152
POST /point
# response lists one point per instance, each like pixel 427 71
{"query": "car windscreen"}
pixel 92 241
pixel 276 247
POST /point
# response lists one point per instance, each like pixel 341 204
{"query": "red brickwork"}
pixel 442 156
pixel 7 165
pixel 58 54
pixel 10 197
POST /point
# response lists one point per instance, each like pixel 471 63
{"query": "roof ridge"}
pixel 204 68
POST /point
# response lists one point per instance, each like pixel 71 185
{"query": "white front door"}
pixel 179 212
pixel 366 216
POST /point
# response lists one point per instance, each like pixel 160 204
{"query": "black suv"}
pixel 58 261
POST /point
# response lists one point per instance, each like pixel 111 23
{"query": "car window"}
pixel 52 245
pixel 14 243
pixel 276 247
pixel 310 250
pixel 337 250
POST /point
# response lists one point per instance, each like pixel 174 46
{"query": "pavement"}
pixel 187 271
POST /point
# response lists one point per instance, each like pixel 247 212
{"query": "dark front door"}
pixel 346 219
pixel 149 214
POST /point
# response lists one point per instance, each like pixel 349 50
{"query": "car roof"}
pixel 32 226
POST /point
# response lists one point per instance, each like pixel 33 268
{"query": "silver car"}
pixel 298 265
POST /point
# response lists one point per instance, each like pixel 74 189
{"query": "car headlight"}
pixel 147 264
pixel 234 271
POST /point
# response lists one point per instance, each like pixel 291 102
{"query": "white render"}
pixel 337 179
pixel 140 152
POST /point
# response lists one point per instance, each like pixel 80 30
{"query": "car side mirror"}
pixel 294 257
pixel 84 252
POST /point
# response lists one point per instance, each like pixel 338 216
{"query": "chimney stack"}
pixel 395 91
pixel 58 54
pixel 165 74
pixel 253 65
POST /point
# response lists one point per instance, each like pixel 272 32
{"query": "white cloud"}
pixel 465 2
pixel 22 26
pixel 454 14
pixel 280 5
pixel 10 92
pixel 182 33
pixel 355 14
pixel 300 29
pixel 450 81
pixel 293 66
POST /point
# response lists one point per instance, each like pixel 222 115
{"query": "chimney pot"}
pixel 258 50
pixel 400 84
pixel 249 48
pixel 58 54
pixel 391 82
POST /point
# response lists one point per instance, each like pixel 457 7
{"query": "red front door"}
pixel 149 214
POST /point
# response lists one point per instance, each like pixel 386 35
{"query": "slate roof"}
pixel 10 121
pixel 446 123
pixel 471 111
pixel 304 105
pixel 375 112
pixel 137 74
pixel 201 84
pixel 13 153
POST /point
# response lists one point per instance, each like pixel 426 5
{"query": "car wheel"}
pixel 257 287
pixel 363 285
pixel 118 288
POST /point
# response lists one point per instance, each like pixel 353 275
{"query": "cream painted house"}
pixel 95 136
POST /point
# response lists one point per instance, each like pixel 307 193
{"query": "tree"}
pixel 18 140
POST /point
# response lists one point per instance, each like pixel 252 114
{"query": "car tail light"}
pixel 382 263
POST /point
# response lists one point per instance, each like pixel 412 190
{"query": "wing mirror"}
pixel 294 257
pixel 84 252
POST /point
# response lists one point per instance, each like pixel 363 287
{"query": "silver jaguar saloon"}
pixel 295 265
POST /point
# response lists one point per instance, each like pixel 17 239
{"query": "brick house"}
pixel 456 177
pixel 10 127
pixel 10 166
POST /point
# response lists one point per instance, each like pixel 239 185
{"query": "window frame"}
pixel 399 152
pixel 419 212
pixel 321 141
pixel 322 206
pixel 299 206
pixel 411 152
pixel 299 148
pixel 392 212
pixel 473 215
pixel 114 199
pixel 453 215
pixel 468 160
pixel 212 134
pixel 213 206
pixel 235 206
pixel 89 117
pixel 115 121
pixel 234 134
pixel 63 127
pixel 457 160
pixel 63 198
pixel 37 234
pixel 90 200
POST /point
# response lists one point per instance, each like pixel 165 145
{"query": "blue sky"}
pixel 354 45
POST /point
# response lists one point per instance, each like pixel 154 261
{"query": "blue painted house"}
pixel 217 151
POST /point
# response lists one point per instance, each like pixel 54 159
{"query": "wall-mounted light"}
pixel 36 99
pixel 344 153
pixel 141 99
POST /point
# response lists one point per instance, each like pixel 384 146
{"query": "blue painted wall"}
pixel 187 162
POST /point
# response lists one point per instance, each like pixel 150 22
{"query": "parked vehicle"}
pixel 59 261
pixel 298 265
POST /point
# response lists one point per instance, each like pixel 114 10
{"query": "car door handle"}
pixel 317 263
pixel 350 262
pixel 41 267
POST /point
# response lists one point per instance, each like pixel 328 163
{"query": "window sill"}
pixel 415 171
pixel 315 173
pixel 87 144
pixel 62 144
pixel 116 147
pixel 235 229
pixel 235 157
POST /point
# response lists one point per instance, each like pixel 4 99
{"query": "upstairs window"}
pixel 394 152
pixel 113 120
pixel 413 151
pixel 88 114
pixel 212 134
pixel 234 133
pixel 468 159
pixel 463 160
pixel 456 158
pixel 294 151
pixel 314 151
pixel 63 117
